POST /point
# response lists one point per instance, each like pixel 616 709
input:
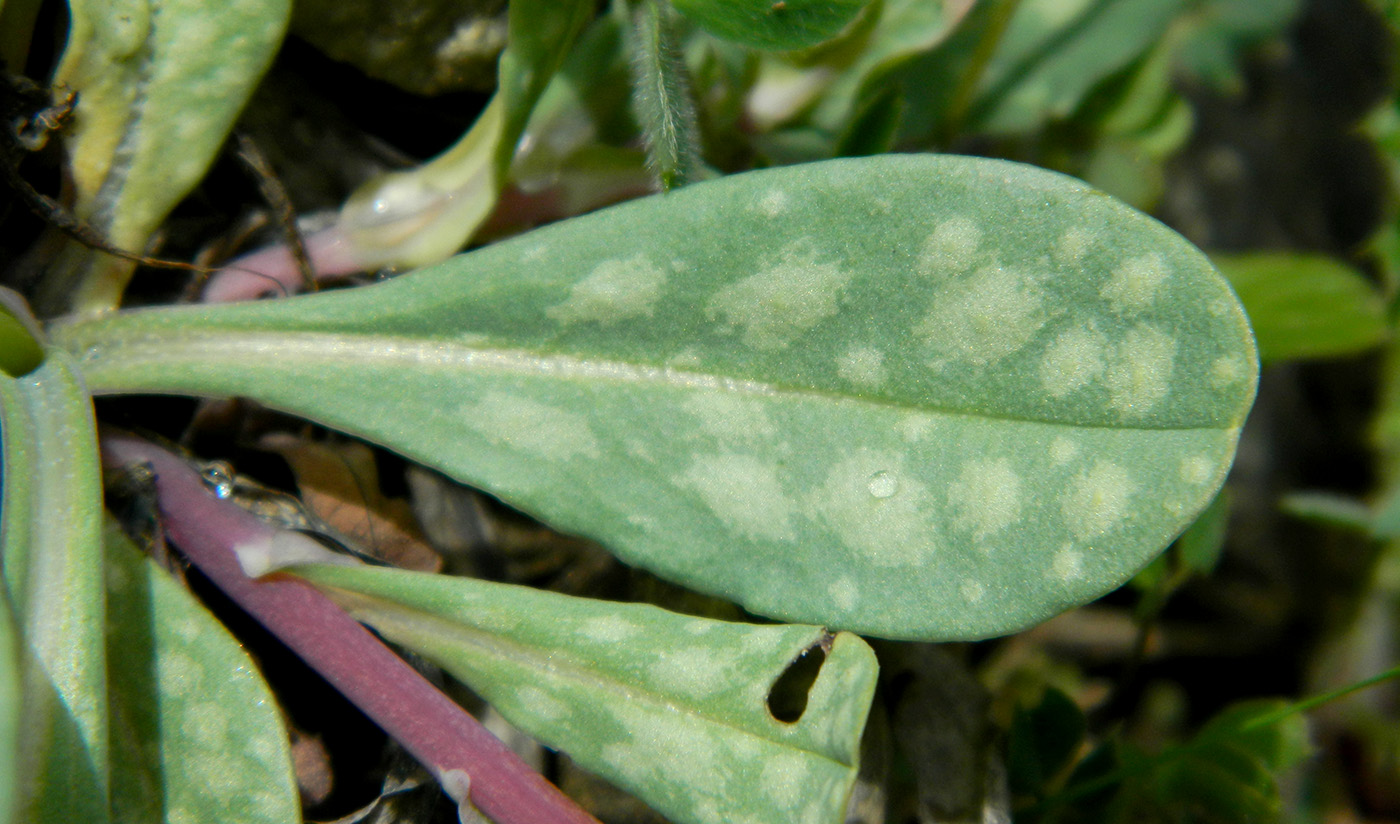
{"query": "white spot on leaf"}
pixel 952 247
pixel 885 531
pixel 1072 361
pixel 616 290
pixel 972 591
pixel 1098 499
pixel 725 415
pixel 530 426
pixel 1140 369
pixel 844 593
pixel 1198 470
pixel 915 426
pixel 207 724
pixel 863 366
pixel 695 671
pixel 744 493
pixel 539 703
pixel 1135 283
pixel 780 303
pixel 984 317
pixel 785 780
pixel 608 628
pixel 1067 564
pixel 1063 450
pixel 986 497
pixel 179 674
pixel 773 203
pixel 1226 371
pixel 1072 245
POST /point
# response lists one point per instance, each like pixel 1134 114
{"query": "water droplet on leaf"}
pixel 883 484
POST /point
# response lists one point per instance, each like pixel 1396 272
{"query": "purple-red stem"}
pixel 432 727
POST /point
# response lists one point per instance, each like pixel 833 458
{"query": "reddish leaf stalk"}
pixel 432 727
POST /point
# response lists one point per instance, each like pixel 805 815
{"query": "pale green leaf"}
pixel 158 88
pixel 777 25
pixel 670 707
pixel 1339 511
pixel 1221 31
pixel 199 732
pixel 50 520
pixel 914 396
pixel 422 215
pixel 1305 306
pixel 904 30
pixel 1055 51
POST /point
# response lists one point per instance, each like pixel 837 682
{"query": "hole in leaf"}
pixel 787 699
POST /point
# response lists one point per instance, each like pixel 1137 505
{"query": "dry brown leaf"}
pixel 339 484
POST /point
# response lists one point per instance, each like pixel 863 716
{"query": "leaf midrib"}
pixel 360 348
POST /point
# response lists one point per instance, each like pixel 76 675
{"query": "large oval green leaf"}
pixel 673 708
pixel 914 396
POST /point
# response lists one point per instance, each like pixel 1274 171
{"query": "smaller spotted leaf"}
pixel 199 732
pixel 158 87
pixel 50 542
pixel 672 708
pixel 912 396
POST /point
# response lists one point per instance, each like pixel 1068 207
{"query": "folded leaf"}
pixel 159 86
pixel 670 707
pixel 913 396
pixel 197 728
pixel 50 517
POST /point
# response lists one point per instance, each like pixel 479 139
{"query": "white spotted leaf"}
pixel 50 541
pixel 912 396
pixel 158 87
pixel 670 707
pixel 198 729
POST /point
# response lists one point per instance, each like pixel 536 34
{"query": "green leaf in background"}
pixel 159 87
pixel 422 215
pixel 1305 306
pixel 776 25
pixel 847 77
pixel 913 396
pixel 672 708
pixel 1227 772
pixel 50 541
pixel 1043 741
pixel 197 730
pixel 1202 542
pixel 1220 30
pixel 1055 51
